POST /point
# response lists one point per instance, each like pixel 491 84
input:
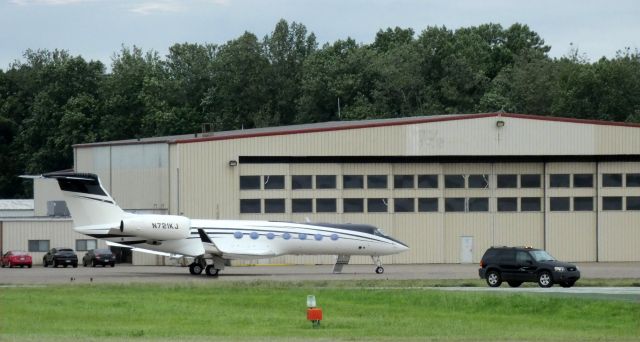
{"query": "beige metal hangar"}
pixel 449 186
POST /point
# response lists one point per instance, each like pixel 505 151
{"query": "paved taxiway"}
pixel 39 275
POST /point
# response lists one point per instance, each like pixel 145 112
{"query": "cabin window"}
pixel 301 205
pixel 403 181
pixel 301 182
pixel 427 204
pixel 583 204
pixel 249 206
pixel 377 181
pixel 352 182
pixel 377 205
pixel 325 205
pixel 274 205
pixel 404 205
pixel 249 182
pixel 325 182
pixel 273 182
pixel 428 181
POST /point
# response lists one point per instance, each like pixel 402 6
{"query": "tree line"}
pixel 51 100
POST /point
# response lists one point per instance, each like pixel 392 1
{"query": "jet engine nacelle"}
pixel 157 227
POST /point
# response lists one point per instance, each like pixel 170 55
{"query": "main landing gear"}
pixel 211 269
pixel 376 260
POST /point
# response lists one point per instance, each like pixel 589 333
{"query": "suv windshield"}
pixel 542 256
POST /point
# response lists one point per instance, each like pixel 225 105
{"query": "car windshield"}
pixel 542 256
pixel 65 250
pixel 102 251
pixel 19 253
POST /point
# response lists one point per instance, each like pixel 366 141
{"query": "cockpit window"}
pixel 378 232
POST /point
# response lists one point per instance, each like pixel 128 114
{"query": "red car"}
pixel 16 258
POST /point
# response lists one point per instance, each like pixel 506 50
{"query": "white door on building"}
pixel 466 249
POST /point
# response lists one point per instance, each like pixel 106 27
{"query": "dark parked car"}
pixel 516 265
pixel 60 256
pixel 16 258
pixel 102 257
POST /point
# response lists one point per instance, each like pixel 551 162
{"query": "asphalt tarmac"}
pixel 39 275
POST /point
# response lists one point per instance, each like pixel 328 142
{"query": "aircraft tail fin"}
pixel 88 202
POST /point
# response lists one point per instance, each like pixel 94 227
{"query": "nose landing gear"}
pixel 376 260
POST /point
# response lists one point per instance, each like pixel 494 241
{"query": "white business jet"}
pixel 212 242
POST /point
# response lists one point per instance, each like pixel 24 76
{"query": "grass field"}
pixel 368 310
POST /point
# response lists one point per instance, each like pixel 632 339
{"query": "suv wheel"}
pixel 544 279
pixel 514 283
pixel 493 278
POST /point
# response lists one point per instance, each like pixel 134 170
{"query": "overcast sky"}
pixel 96 29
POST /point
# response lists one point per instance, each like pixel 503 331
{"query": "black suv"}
pixel 60 256
pixel 516 265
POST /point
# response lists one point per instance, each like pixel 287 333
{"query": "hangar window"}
pixel 454 204
pixel 274 205
pixel 352 182
pixel 559 203
pixel 479 181
pixel 508 204
pixel 404 205
pixel 273 182
pixel 633 179
pixel 85 245
pixel 612 180
pixel 633 203
pixel 301 182
pixel 583 204
pixel 529 181
pixel 427 204
pixel 454 181
pixel 583 180
pixel 353 205
pixel 403 181
pixel 377 205
pixel 428 181
pixel 249 182
pixel 301 205
pixel 559 180
pixel 377 181
pixel 611 203
pixel 507 181
pixel 530 204
pixel 249 206
pixel 325 205
pixel 38 245
pixel 325 182
pixel 478 204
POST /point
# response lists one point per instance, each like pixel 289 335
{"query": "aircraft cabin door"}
pixel 466 249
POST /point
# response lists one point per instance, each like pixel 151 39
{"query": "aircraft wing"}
pixel 143 250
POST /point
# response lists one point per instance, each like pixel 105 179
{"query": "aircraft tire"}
pixel 212 271
pixel 195 269
pixel 379 270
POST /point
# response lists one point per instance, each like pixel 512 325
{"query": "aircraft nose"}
pixel 401 247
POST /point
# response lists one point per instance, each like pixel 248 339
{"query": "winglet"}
pixel 204 237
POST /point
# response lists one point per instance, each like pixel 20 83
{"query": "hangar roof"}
pixel 340 125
